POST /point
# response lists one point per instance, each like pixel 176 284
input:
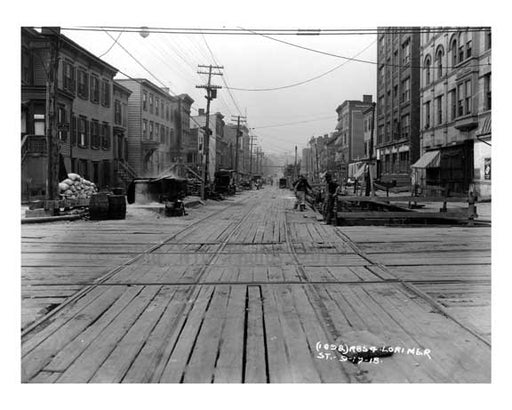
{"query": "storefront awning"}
pixel 429 159
pixel 486 128
pixel 359 173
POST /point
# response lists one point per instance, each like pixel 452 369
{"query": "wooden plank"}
pixel 403 198
pixel 410 215
pixel 113 369
pixel 67 355
pixel 229 365
pixel 152 358
pixel 174 367
pixel 255 356
pixel 86 365
pixel 36 356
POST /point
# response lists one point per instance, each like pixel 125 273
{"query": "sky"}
pixel 250 62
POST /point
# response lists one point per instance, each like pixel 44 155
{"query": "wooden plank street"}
pixel 248 290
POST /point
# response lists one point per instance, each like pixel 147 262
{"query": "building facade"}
pixel 349 142
pixel 456 111
pixel 398 103
pixel 84 117
pixel 152 127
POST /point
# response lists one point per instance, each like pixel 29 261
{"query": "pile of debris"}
pixel 75 187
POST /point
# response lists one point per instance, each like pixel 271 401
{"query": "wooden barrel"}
pixel 99 206
pixel 116 206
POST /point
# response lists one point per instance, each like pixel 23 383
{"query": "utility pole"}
pixel 295 165
pixel 53 145
pixel 371 188
pixel 238 119
pixel 211 94
pixel 250 155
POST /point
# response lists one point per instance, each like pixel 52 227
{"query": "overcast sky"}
pixel 250 61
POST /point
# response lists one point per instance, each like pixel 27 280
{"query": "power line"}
pixel 223 79
pixel 113 44
pixel 287 32
pixel 305 81
pixel 346 58
pixel 293 123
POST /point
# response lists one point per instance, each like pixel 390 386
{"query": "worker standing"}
pixel 330 196
pixel 301 186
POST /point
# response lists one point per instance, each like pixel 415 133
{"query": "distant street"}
pixel 249 290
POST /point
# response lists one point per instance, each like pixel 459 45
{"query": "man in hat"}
pixel 330 195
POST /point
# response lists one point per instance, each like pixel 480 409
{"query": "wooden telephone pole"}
pixel 52 143
pixel 211 94
pixel 239 118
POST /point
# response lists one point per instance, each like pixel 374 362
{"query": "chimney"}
pixel 201 111
pixel 367 99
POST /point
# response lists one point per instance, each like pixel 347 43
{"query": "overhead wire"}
pixel 305 81
pixel 380 64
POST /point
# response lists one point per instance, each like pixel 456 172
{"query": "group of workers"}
pixel 301 187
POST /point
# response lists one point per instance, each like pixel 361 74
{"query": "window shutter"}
pixel 87 131
pixel 72 138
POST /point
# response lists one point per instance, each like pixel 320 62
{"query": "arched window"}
pixel 439 61
pixel 427 70
pixel 461 47
pixel 453 50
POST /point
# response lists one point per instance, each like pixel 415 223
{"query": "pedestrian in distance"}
pixel 301 187
pixel 331 187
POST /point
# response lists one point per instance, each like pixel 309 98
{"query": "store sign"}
pixel 487 168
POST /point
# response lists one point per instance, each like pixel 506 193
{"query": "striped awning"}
pixel 359 173
pixel 429 159
pixel 486 127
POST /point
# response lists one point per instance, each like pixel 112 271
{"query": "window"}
pixel 468 48
pixel 396 131
pixel 439 109
pixel 394 163
pixel 167 112
pixel 162 135
pixel 460 100
pixel 157 106
pixel 468 96
pixel 453 104
pixel 26 66
pixel 439 62
pixel 157 132
pixel 105 136
pixel 95 137
pixel 462 47
pixel 145 101
pixel 406 51
pixel 388 131
pixel 118 112
pixel 72 134
pixel 381 74
pixel 105 93
pixel 83 128
pixel 381 105
pixel 487 92
pixel 68 74
pixel 150 130
pixel 395 58
pixel 162 109
pixel 62 123
pixel 404 161
pixel 144 129
pixel 83 84
pixel 380 134
pixel 395 93
pixel 95 89
pixel 453 51
pixel 405 125
pixel 427 114
pixel 427 70
pixel 488 40
pixel 406 90
pixel 151 103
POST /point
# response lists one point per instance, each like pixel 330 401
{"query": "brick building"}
pixel 398 102
pixel 85 111
pixel 349 134
pixel 456 111
pixel 152 127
